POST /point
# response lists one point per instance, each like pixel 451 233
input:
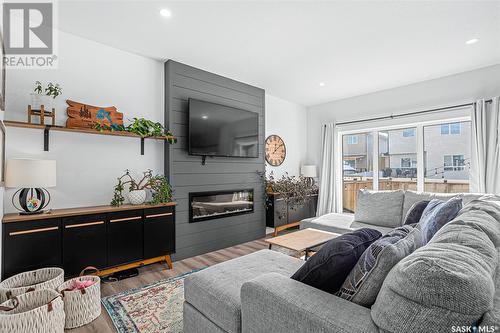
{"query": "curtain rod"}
pixel 409 113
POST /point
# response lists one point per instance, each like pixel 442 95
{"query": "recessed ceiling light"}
pixel 472 41
pixel 322 84
pixel 165 12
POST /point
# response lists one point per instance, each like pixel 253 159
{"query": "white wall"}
pixel 451 90
pixel 96 74
pixel 288 120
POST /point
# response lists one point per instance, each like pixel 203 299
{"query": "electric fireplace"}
pixel 217 204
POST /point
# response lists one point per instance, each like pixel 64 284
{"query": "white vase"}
pixel 137 197
pixel 38 100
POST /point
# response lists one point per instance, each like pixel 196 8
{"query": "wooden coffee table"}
pixel 302 240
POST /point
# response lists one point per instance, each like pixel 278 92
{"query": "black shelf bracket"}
pixel 46 138
pixel 142 146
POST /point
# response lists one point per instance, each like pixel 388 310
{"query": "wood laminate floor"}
pixel 160 271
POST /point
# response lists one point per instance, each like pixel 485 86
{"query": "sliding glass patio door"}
pixel 432 157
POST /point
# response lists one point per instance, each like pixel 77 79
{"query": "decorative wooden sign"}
pixel 86 116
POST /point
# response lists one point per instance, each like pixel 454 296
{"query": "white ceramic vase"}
pixel 37 100
pixel 137 197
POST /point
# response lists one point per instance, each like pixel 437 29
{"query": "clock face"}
pixel 275 150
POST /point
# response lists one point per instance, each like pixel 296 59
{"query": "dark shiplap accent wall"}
pixel 188 175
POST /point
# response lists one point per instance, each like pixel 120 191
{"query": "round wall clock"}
pixel 275 150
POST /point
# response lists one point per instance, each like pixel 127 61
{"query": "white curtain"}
pixel 326 198
pixel 485 152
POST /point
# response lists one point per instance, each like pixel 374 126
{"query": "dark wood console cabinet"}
pixel 109 238
pixel 280 217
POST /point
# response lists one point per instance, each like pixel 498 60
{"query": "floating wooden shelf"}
pixel 47 128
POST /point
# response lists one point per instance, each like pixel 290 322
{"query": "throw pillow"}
pixel 365 280
pixel 437 214
pixel 380 208
pixel 415 212
pixel 329 267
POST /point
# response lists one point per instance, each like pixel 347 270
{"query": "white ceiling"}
pixel 288 48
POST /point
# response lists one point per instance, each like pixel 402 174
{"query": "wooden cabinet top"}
pixel 16 217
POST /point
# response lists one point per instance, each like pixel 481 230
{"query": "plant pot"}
pixel 137 197
pixel 38 100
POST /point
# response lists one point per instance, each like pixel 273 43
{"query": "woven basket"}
pixel 81 305
pixel 43 278
pixel 36 311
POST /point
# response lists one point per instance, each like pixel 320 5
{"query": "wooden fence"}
pixel 352 186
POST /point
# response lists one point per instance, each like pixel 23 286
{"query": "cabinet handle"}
pixel 158 215
pixel 126 219
pixel 32 231
pixel 83 224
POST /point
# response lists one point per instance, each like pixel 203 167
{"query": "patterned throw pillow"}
pixel 415 212
pixel 437 214
pixel 329 267
pixel 365 280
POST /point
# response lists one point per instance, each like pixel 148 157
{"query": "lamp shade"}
pixel 30 173
pixel 308 171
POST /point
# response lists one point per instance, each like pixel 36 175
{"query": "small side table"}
pixel 302 240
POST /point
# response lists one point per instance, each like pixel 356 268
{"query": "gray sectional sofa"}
pixel 452 282
pixel 380 210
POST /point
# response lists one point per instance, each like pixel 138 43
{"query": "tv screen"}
pixel 219 130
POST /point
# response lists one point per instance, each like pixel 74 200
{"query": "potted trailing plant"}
pixel 158 185
pixel 44 96
pixel 142 127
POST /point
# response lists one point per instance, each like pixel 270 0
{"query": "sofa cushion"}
pixel 365 280
pixel 358 225
pixel 411 197
pixel 334 222
pixel 329 267
pixel 492 317
pixel 450 281
pixel 436 215
pixel 382 208
pixel 415 212
pixel 215 291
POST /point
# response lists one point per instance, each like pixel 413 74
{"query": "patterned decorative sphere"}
pixel 137 197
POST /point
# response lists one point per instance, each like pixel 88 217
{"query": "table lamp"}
pixel 309 172
pixel 31 176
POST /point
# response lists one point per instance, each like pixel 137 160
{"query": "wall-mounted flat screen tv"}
pixel 219 130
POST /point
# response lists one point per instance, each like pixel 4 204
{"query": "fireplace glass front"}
pixel 214 205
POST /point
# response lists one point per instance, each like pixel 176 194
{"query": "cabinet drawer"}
pixel 159 231
pixel 31 245
pixel 84 242
pixel 125 237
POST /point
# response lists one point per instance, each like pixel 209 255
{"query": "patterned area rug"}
pixel 154 308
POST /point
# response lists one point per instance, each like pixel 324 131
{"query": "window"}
pixel 454 162
pixel 447 158
pixel 406 162
pixel 409 132
pixel 357 162
pixel 397 161
pixel 352 139
pixel 455 128
pixel 450 128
